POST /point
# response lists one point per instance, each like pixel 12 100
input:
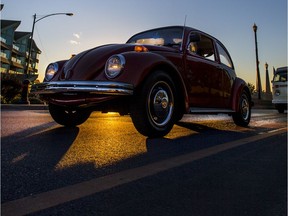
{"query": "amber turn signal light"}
pixel 139 48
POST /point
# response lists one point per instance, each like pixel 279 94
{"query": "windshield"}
pixel 280 77
pixel 171 37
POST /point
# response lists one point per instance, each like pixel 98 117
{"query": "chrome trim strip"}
pixel 93 87
pixel 209 110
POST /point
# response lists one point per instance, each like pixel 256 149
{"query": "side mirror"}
pixel 194 37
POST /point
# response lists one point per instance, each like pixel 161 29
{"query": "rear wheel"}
pixel 69 117
pixel 243 115
pixel 154 107
pixel 280 108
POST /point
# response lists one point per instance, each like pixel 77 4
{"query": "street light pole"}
pixel 258 79
pixel 268 88
pixel 30 46
pixel 27 73
pixel 26 81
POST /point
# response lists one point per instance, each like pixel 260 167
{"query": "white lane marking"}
pixel 59 196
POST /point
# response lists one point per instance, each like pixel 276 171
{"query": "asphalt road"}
pixel 205 166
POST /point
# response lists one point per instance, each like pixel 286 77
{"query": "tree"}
pixel 251 88
pixel 10 88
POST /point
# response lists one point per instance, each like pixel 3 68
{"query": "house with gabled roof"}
pixel 14 52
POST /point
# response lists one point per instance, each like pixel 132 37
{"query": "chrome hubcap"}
pixel 161 99
pixel 160 103
pixel 245 109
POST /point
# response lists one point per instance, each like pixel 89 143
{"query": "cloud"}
pixel 76 35
pixel 74 42
pixel 75 39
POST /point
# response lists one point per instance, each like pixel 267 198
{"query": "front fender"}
pixel 239 86
pixel 140 65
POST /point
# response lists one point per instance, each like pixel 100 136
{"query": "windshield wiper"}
pixel 173 44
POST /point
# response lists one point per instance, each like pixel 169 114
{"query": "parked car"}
pixel 156 77
pixel 279 86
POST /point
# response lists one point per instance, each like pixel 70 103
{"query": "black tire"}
pixel 69 117
pixel 280 108
pixel 153 109
pixel 243 115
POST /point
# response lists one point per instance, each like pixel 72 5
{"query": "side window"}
pixel 224 57
pixel 203 48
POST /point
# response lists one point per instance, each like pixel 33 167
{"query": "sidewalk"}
pixel 24 107
pixel 262 104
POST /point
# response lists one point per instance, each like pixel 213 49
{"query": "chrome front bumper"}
pixel 92 87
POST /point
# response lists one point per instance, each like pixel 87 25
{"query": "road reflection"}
pixel 107 139
pixel 104 141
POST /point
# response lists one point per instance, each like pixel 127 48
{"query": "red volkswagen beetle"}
pixel 156 77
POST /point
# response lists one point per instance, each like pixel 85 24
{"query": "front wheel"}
pixel 243 115
pixel 69 117
pixel 153 110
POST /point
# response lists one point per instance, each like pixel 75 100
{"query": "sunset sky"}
pixel 98 22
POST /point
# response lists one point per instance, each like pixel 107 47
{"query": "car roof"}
pixel 281 70
pixel 187 28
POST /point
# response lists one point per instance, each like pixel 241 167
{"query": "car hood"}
pixel 89 64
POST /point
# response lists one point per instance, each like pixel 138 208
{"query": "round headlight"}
pixel 114 66
pixel 51 71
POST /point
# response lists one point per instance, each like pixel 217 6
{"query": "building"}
pixel 14 52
